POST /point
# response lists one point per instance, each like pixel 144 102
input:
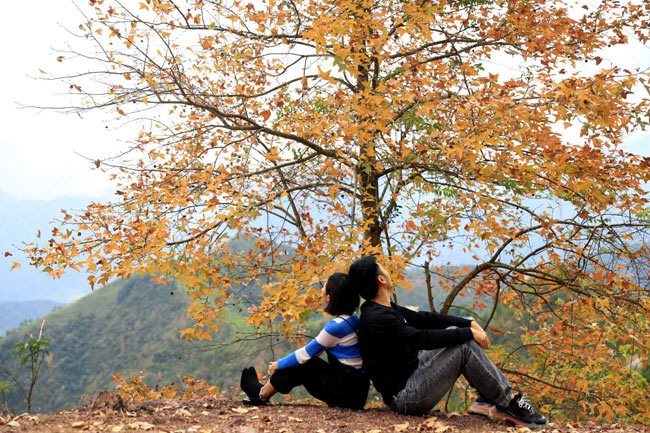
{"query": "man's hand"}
pixel 480 336
pixel 273 367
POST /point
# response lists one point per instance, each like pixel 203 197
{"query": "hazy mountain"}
pixel 12 314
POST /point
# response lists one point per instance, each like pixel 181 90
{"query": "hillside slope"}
pixel 128 326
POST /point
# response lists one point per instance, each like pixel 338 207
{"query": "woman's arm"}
pixel 304 354
pixel 329 336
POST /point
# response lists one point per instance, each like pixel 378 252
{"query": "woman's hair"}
pixel 363 275
pixel 342 300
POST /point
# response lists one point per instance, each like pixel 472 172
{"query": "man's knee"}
pixel 473 346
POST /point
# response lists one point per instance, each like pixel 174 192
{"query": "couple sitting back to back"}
pixel 413 358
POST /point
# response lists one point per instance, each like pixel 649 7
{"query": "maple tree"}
pixel 323 130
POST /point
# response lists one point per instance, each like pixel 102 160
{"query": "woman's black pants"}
pixel 336 384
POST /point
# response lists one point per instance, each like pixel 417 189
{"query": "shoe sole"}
pixel 490 411
pixel 482 409
pixel 496 414
pixel 254 402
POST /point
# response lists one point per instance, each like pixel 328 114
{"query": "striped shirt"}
pixel 338 337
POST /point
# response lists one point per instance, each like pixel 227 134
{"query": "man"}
pixel 391 337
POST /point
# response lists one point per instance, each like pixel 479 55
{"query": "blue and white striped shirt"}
pixel 338 337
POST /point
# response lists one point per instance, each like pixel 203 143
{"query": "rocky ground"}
pixel 107 413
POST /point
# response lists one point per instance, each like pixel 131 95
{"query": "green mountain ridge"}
pixel 128 326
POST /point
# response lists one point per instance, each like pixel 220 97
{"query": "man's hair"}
pixel 343 300
pixel 363 274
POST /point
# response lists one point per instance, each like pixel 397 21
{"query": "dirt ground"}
pixel 107 413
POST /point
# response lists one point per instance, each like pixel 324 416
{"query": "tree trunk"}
pixel 369 191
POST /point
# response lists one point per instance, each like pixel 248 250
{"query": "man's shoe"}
pixel 520 413
pixel 481 407
pixel 251 385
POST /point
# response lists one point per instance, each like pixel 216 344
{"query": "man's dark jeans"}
pixel 438 370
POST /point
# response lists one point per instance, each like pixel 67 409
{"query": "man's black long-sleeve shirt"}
pixel 391 337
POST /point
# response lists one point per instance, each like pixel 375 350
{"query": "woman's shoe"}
pixel 251 385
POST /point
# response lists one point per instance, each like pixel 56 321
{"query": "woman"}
pixel 340 382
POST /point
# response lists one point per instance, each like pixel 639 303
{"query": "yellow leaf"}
pixel 401 427
pixel 239 410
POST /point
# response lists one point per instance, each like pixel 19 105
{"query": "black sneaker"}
pixel 520 413
pixel 251 385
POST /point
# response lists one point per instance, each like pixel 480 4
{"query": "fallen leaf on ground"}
pixel 183 412
pixel 401 427
pixel 239 410
pixel 291 418
pixel 79 424
pixel 429 422
pixel 117 428
pixel 141 425
pixel 13 424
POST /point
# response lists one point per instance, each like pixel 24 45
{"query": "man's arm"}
pixel 390 324
pixel 427 320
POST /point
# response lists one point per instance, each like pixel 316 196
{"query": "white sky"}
pixel 37 149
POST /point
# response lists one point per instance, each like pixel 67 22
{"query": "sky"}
pixel 39 149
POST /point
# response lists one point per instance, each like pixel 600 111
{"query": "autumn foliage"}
pixel 320 130
pixel 135 389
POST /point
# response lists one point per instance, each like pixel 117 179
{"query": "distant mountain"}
pixel 13 314
pixel 19 222
pixel 130 326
